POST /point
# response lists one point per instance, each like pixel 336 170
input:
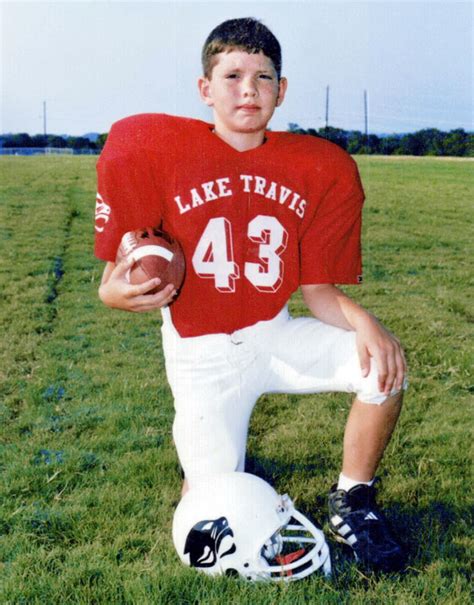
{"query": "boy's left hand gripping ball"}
pixel 156 254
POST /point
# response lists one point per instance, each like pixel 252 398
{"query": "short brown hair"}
pixel 246 34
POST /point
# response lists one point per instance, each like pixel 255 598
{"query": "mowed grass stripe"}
pixel 89 475
pixel 37 208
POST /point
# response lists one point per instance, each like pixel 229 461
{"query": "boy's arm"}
pixel 116 292
pixel 329 304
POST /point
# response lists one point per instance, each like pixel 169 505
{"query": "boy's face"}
pixel 243 92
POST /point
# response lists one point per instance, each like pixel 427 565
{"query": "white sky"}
pixel 95 62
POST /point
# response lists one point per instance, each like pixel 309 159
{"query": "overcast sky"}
pixel 95 62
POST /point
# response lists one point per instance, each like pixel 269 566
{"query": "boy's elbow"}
pixel 103 295
pixel 100 293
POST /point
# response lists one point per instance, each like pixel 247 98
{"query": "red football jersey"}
pixel 253 225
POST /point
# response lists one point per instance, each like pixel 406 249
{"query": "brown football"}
pixel 156 254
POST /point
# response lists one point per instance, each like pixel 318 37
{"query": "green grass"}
pixel 89 476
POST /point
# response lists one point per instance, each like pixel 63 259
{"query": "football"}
pixel 156 254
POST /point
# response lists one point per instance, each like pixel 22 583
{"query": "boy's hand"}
pixel 373 340
pixel 116 292
pixel 331 305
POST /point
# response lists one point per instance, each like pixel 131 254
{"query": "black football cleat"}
pixel 355 519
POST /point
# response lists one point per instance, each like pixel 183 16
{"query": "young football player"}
pixel 259 214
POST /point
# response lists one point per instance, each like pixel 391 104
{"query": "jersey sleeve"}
pixel 127 197
pixel 330 248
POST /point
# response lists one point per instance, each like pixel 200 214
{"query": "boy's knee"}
pixel 370 393
pixel 394 399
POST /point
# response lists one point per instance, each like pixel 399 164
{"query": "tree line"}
pixel 429 141
pixel 23 139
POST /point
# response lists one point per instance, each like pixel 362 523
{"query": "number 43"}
pixel 214 254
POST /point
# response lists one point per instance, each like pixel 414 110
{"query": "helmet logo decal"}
pixel 206 540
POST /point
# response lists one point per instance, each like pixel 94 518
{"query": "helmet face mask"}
pixel 235 523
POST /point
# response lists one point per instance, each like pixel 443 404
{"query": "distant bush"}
pixel 23 139
pixel 429 141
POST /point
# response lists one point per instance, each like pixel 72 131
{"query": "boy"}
pixel 258 215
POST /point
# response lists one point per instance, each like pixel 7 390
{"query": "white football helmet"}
pixel 236 523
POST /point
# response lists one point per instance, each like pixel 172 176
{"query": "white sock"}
pixel 346 483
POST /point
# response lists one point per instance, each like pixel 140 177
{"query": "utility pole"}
pixel 44 117
pixel 366 120
pixel 327 106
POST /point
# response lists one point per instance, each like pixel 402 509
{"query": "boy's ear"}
pixel 282 87
pixel 204 87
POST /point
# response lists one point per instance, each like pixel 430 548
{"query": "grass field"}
pixel 89 476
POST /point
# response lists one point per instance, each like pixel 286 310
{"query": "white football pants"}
pixel 217 378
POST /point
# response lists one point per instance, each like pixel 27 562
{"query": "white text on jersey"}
pixel 220 188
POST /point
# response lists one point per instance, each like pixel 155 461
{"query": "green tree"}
pixel 372 144
pixel 78 143
pixel 411 144
pixel 101 139
pixel 355 141
pixel 335 135
pixel 295 129
pixel 431 141
pixel 455 143
pixel 470 144
pixel 56 141
pixel 39 140
pixel 390 144
pixel 21 139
